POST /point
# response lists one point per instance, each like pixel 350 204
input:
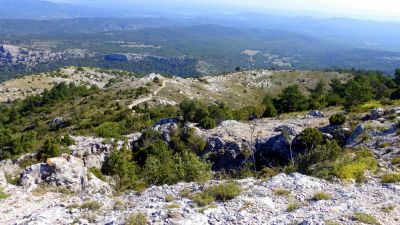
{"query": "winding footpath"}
pixel 150 96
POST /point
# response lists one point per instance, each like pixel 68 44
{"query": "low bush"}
pixel 221 192
pixel 282 192
pixel 396 160
pixel 136 219
pixel 310 137
pixel 203 198
pixel 293 207
pixel 337 119
pixel 208 123
pixel 329 161
pixel 365 218
pixel 390 178
pixel 91 205
pixel 97 172
pixel 225 192
pixel 321 196
pixel 3 195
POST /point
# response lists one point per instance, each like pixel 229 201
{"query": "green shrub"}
pixel 270 110
pixel 249 113
pixel 203 199
pixel 91 205
pixel 51 148
pixel 12 179
pixel 221 192
pixel 208 123
pixel 120 164
pixel 354 164
pixel 329 161
pixel 136 219
pixel 366 218
pixel 321 196
pixel 396 160
pixel 97 172
pixel 267 173
pixel 282 192
pixel 293 207
pixel 387 208
pixel 390 178
pixel 169 198
pixel 67 141
pixel 224 192
pixel 109 130
pixel 3 195
pixel 310 137
pixel 337 119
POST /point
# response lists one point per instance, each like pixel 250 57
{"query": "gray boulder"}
pixel 339 133
pixel 354 136
pixel 316 114
pixel 285 129
pixel 377 113
pixel 165 127
pixel 274 149
pixel 225 155
pixel 66 171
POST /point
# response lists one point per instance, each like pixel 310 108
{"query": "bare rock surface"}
pixel 257 204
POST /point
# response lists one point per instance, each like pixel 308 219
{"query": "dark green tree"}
pixel 397 76
pixel 270 110
pixel 291 100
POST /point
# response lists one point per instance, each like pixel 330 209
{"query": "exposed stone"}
pixel 3 180
pixel 285 129
pixel 316 114
pixel 66 171
pixel 165 126
pixel 354 136
pixel 377 113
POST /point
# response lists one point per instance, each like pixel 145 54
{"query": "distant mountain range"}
pixel 40 9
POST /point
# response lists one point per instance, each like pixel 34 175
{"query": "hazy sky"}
pixel 372 9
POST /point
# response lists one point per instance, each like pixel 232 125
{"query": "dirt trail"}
pixel 150 96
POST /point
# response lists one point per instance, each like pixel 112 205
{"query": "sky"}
pixel 365 9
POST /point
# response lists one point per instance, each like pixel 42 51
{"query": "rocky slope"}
pixel 259 203
pixel 64 191
pixel 16 55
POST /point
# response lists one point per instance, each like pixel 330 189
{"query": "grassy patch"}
pixel 225 192
pixel 318 196
pixel 331 222
pixel 366 218
pixel 396 160
pixel 390 178
pixel 97 172
pixel 282 192
pixel 172 206
pixel 91 205
pixel 45 188
pixel 12 179
pixel 169 198
pixel 292 206
pixel 203 199
pixel 136 219
pixel 221 192
pixel 3 195
pixel 387 208
pixel 354 164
